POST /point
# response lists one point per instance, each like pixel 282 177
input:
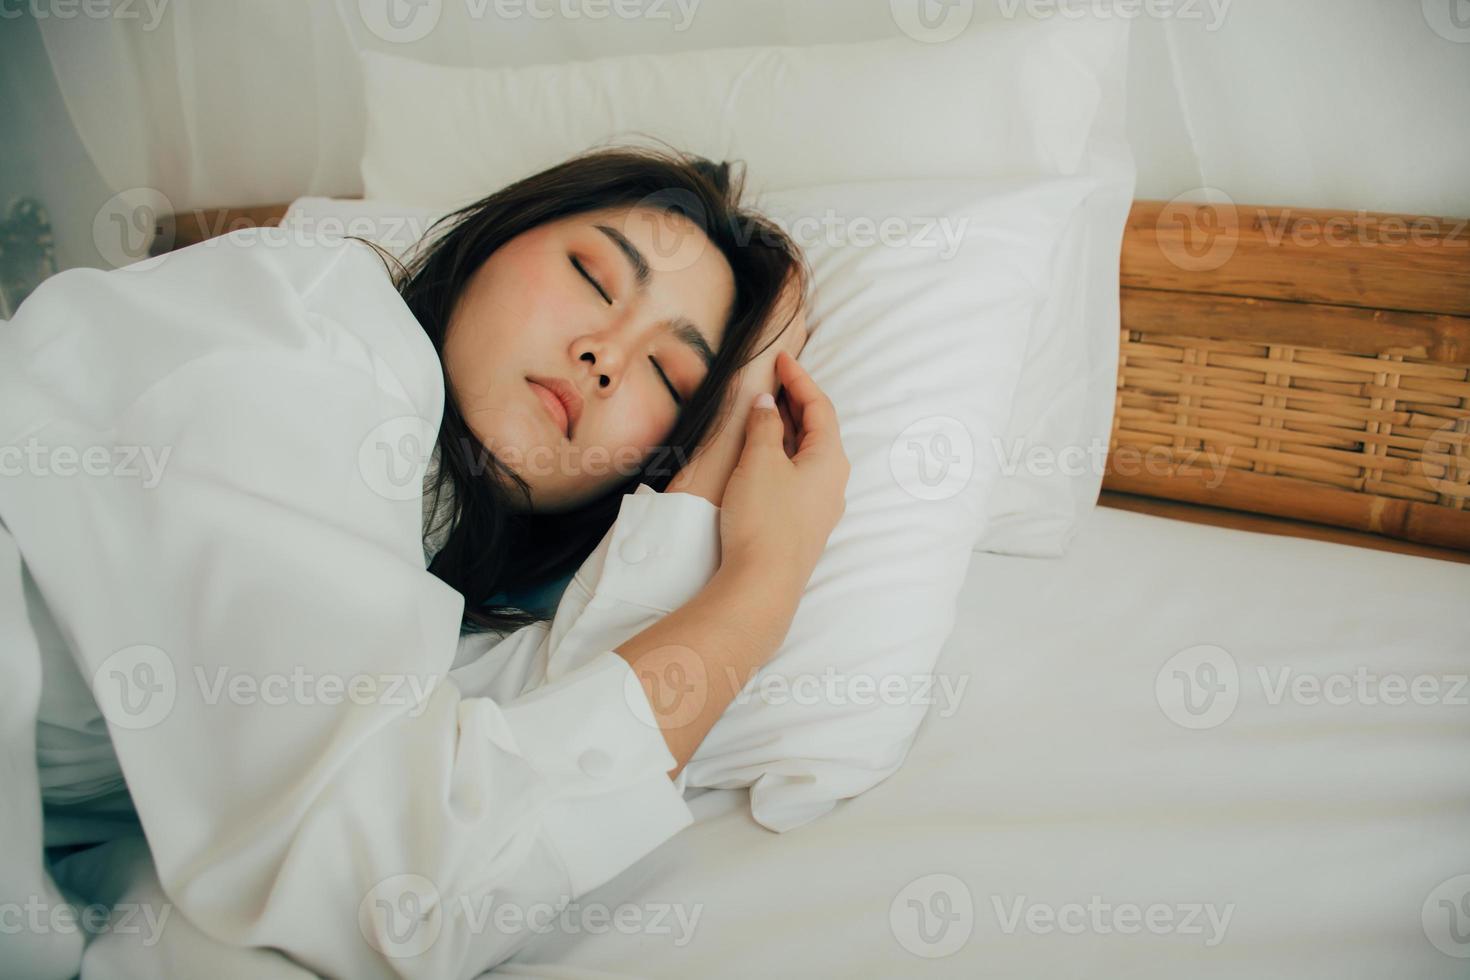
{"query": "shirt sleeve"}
pixel 258 629
pixel 660 552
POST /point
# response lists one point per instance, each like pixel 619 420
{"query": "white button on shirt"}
pixel 595 763
pixel 310 746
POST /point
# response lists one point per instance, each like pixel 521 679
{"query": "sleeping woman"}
pixel 444 572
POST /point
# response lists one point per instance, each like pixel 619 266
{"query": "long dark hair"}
pixel 492 546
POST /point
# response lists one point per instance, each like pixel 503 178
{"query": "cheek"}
pixel 519 297
pixel 513 307
pixel 636 428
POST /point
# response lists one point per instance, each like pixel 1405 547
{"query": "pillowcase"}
pixel 923 299
pixel 1012 98
pixel 1062 418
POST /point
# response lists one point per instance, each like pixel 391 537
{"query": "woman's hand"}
pixel 779 509
pixel 708 472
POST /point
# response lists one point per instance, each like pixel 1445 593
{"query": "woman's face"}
pixel 622 307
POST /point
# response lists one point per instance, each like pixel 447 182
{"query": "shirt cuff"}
pixel 665 547
pixel 594 728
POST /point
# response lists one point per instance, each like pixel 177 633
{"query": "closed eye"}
pixel 667 383
pixel 577 264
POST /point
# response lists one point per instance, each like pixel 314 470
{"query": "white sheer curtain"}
pixel 1330 103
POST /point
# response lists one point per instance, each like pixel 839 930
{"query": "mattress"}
pixel 1178 751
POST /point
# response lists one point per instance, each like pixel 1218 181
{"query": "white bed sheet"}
pixel 1329 834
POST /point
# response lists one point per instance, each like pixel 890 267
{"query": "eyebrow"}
pixel 683 328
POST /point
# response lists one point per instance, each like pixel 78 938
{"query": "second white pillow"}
pixel 1005 99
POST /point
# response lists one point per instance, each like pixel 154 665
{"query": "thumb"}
pixel 764 430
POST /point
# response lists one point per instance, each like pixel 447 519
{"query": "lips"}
pixel 561 401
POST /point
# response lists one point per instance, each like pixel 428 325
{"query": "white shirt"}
pixel 242 623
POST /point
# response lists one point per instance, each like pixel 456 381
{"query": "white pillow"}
pixel 1062 418
pixel 1009 99
pixel 922 305
pixel 919 339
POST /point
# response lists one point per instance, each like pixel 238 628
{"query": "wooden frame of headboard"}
pixel 1293 371
pixel 1319 361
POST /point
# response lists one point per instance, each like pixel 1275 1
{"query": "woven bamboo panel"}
pixel 1375 443
pixel 1297 375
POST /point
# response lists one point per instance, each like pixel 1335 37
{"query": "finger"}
pixel 790 433
pixel 811 409
pixel 763 429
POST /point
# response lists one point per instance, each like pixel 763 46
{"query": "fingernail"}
pixel 765 400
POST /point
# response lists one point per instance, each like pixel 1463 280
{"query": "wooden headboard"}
pixel 1316 363
pixel 1284 370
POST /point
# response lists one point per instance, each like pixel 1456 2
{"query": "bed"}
pixel 1199 744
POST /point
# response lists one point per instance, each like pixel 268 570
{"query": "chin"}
pixel 516 441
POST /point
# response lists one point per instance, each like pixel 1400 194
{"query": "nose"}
pixel 606 356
